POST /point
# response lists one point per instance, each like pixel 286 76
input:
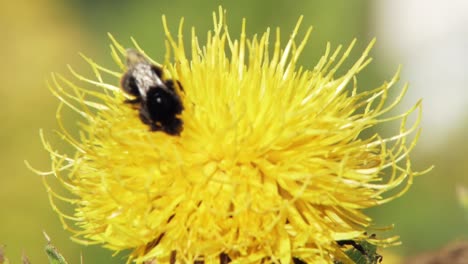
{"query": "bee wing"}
pixel 145 74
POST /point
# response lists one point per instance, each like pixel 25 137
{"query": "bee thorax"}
pixel 145 78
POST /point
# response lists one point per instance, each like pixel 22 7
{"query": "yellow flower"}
pixel 270 165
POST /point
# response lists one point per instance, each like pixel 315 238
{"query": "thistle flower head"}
pixel 270 164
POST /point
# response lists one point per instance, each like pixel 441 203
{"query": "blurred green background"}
pixel 38 37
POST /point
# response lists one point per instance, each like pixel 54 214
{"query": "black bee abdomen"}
pixel 163 106
pixel 172 126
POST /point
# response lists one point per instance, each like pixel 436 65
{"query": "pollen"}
pixel 272 164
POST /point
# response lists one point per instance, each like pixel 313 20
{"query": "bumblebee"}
pixel 158 100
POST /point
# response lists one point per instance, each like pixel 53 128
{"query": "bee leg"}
pixel 224 258
pixel 152 125
pixel 298 261
pixel 144 117
pixel 155 127
pixel 171 85
pixel 132 101
pixel 172 126
pixel 354 244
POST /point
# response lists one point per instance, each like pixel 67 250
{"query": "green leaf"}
pixel 52 253
pixel 359 252
pixel 367 254
pixel 54 256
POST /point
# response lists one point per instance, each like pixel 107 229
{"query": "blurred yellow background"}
pixel 430 40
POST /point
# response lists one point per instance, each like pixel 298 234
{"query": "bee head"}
pixel 134 58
